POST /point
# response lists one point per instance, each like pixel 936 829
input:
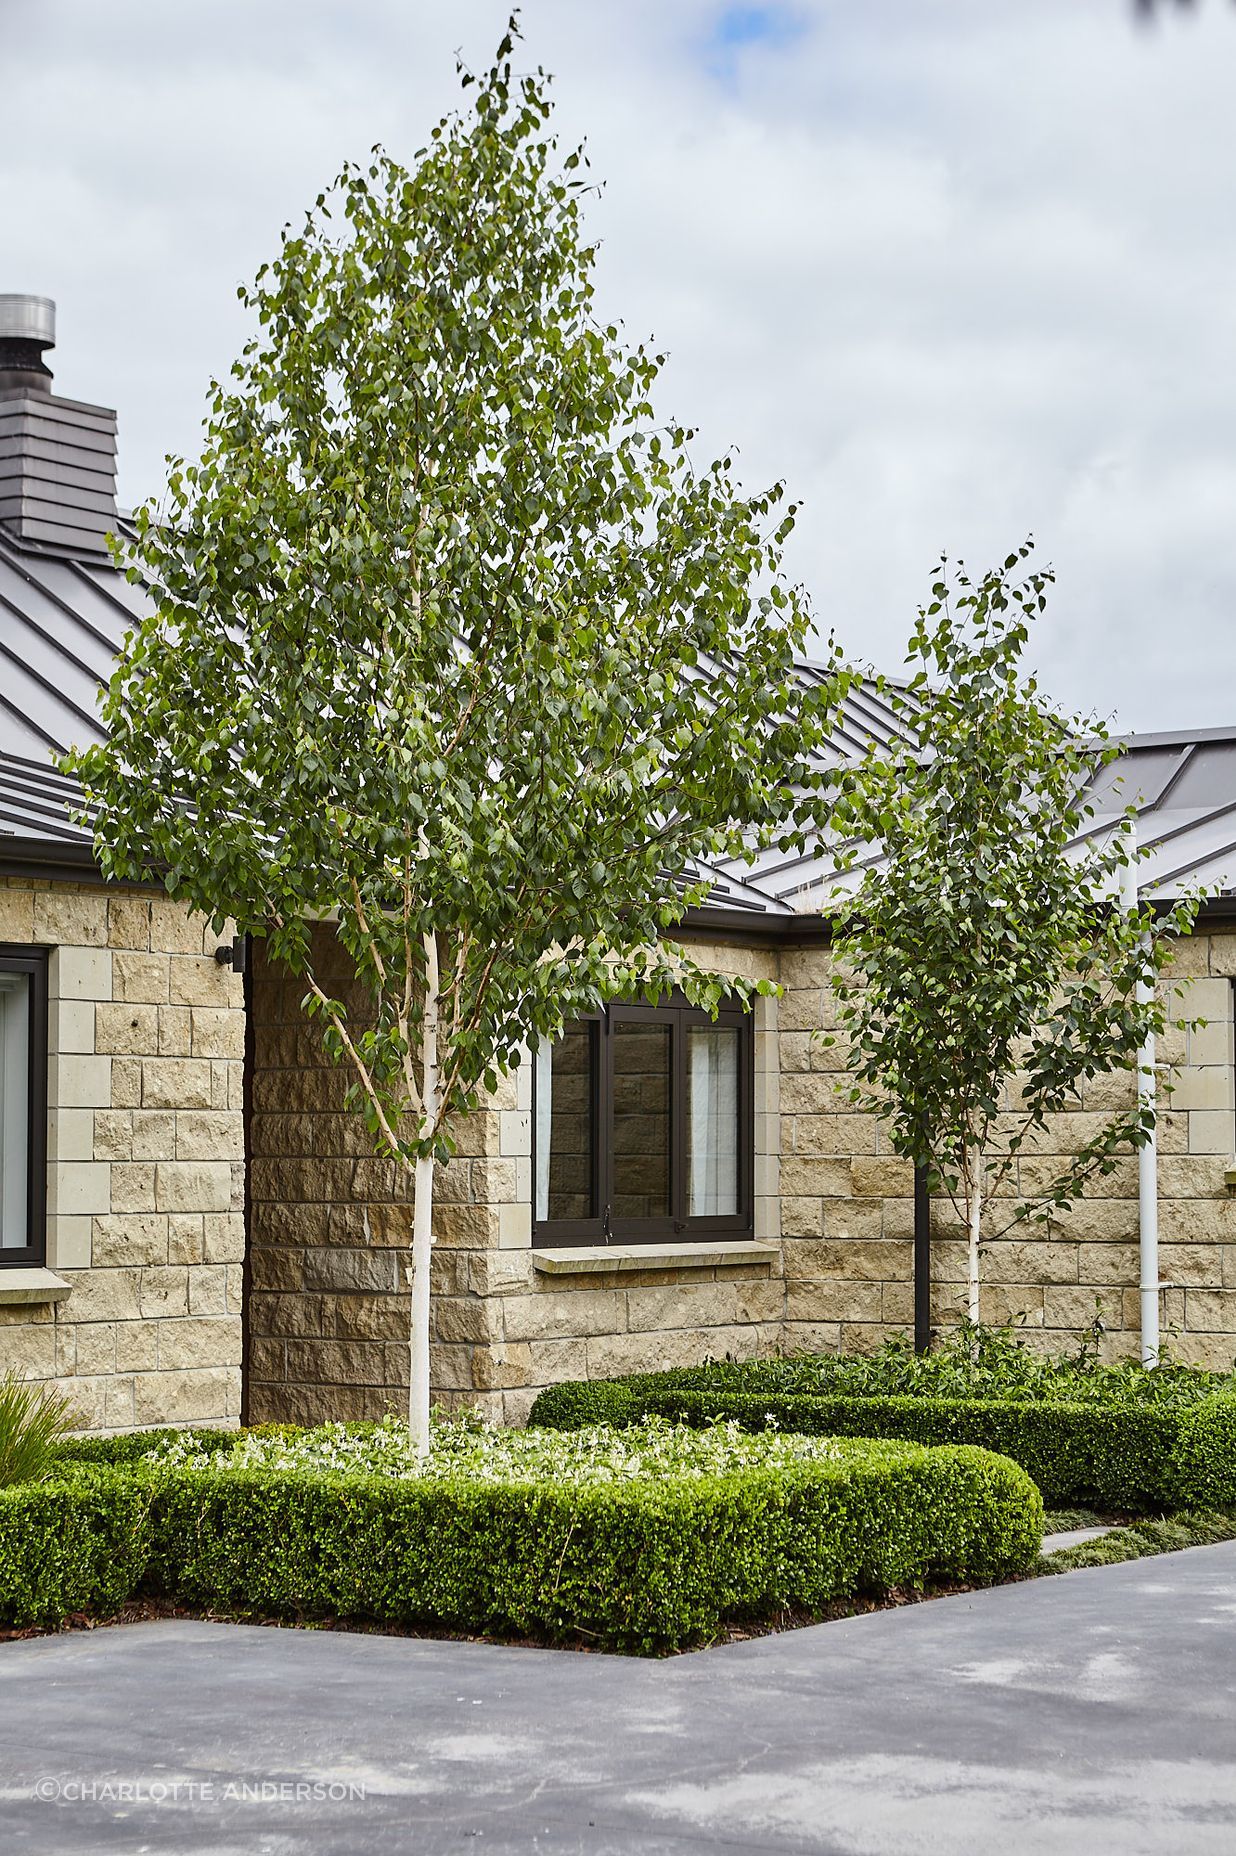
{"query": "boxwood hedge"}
pixel 635 1566
pixel 132 1446
pixel 638 1566
pixel 77 1541
pixel 1131 1456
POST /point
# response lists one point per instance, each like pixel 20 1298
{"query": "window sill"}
pixel 617 1259
pixel 31 1285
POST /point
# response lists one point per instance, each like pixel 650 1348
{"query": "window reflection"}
pixel 641 1120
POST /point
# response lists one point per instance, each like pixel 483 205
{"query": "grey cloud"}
pixel 957 269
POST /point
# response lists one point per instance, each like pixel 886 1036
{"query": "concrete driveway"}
pixel 1090 1713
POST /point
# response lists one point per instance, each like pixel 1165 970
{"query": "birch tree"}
pixel 986 972
pixel 454 645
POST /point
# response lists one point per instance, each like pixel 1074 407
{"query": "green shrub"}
pixel 638 1540
pixel 971 1362
pixel 1205 1462
pixel 644 1564
pixel 132 1446
pixel 33 1420
pixel 75 1541
pixel 1132 1456
pixel 575 1403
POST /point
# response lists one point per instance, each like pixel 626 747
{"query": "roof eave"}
pixel 749 927
pixel 49 857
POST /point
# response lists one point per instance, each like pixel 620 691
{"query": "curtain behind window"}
pixel 712 1121
pixel 14 1108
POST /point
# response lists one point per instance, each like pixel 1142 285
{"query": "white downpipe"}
pixel 975 1183
pixel 1148 1213
pixel 422 1211
pixel 1147 1156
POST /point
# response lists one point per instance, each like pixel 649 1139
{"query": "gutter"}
pixel 754 927
pixel 751 927
pixel 65 860
pixel 71 858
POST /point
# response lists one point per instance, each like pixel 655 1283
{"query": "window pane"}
pixel 712 1121
pixel 641 1120
pixel 14 1109
pixel 564 1109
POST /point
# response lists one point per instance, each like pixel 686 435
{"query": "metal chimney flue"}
pixel 27 330
pixel 57 456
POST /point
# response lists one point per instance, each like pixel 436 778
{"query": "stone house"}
pixel 193 1228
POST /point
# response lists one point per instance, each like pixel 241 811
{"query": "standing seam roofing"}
pixel 62 621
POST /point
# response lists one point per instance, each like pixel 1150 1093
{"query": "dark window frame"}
pixel 678 1227
pixel 32 961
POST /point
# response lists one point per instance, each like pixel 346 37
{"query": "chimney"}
pixel 57 456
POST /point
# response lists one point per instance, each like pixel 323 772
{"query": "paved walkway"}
pixel 1090 1713
pixel 1073 1537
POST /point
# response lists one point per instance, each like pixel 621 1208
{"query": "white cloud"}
pixel 958 269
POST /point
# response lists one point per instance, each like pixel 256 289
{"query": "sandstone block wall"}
pixel 331 1225
pixel 145 1159
pixel 847 1210
pixel 146 1198
pixel 331 1230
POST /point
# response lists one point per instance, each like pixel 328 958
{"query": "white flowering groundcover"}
pixel 655 1451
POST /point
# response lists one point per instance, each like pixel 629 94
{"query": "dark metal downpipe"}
pixel 922 1260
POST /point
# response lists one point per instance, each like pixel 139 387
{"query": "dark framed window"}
pixel 644 1127
pixel 23 1105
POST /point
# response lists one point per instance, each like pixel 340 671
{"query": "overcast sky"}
pixel 957 269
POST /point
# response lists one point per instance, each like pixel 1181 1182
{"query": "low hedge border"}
pixel 75 1542
pixel 132 1446
pixel 627 1566
pixel 1123 1457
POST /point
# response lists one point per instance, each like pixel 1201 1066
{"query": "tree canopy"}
pixel 454 642
pixel 988 970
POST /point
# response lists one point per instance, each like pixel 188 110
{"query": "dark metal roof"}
pixel 62 620
pixel 1183 788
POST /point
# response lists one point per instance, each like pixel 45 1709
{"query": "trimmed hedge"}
pixel 73 1543
pixel 1205 1467
pixel 631 1566
pixel 1112 1456
pixel 131 1446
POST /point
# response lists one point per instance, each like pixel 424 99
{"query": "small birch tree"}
pixel 453 646
pixel 986 971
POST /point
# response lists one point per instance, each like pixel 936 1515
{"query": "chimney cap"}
pixel 28 319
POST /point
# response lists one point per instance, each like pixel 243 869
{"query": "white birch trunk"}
pixel 418 1333
pixel 422 1217
pixel 974 1207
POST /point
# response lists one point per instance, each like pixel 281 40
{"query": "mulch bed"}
pixel 151 1610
